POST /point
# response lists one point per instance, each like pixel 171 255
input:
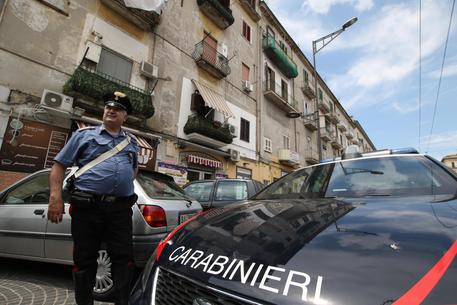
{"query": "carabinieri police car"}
pixel 372 229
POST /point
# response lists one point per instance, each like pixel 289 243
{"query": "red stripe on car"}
pixel 424 286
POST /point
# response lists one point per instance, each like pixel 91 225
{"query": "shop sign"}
pixel 204 161
pixel 29 146
pixel 179 173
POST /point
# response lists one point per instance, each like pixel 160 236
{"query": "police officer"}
pixel 101 200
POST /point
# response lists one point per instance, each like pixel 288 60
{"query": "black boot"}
pixel 122 277
pixel 84 285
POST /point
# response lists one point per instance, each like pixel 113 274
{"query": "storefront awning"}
pixel 213 99
pixel 203 161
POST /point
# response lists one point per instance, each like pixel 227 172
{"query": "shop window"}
pixel 115 65
pixel 244 130
pixel 246 31
pixel 245 71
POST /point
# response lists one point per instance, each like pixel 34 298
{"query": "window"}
pixel 115 65
pixel 305 77
pixel 243 173
pixel 267 144
pixel 35 190
pixel 283 46
pixel 156 186
pixel 270 32
pixel 231 190
pixel 320 95
pixel 244 72
pixel 453 164
pixel 285 142
pixel 284 90
pixel 306 108
pixel 246 31
pixel 200 191
pixel 244 130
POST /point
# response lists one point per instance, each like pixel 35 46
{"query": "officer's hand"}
pixel 56 209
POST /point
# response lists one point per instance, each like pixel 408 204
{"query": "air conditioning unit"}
pixel 223 49
pixel 149 70
pixel 57 101
pixel 233 130
pixel 234 155
pixel 247 86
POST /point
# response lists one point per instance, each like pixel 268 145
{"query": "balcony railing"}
pixel 309 121
pixel 147 20
pixel 280 58
pixel 335 144
pixel 200 125
pixel 311 155
pixel 289 157
pixel 208 58
pixel 326 134
pixel 249 6
pixel 308 90
pixel 323 106
pixel 280 96
pixel 342 126
pixel 90 83
pixel 220 14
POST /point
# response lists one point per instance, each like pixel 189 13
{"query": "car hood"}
pixel 321 251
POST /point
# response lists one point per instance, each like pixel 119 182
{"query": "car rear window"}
pixel 159 187
pixel 383 176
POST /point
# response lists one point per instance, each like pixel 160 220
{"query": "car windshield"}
pixel 381 176
pixel 159 187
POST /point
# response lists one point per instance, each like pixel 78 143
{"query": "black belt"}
pixel 97 198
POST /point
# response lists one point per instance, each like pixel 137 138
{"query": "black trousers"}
pixel 90 226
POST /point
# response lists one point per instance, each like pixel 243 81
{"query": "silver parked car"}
pixel 26 233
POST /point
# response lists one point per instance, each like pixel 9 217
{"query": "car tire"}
pixel 103 289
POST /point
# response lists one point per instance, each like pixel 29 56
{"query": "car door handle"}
pixel 38 212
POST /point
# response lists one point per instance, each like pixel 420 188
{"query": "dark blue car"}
pixel 371 230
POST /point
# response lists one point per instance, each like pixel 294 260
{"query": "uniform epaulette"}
pixel 86 128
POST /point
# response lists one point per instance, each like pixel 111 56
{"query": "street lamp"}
pixel 325 41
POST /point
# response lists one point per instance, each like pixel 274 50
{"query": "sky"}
pixel 382 70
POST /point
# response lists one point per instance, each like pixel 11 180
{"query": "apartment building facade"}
pixel 212 83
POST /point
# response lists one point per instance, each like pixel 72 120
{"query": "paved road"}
pixel 33 283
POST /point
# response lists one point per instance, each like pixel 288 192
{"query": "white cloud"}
pixel 448 71
pixel 323 6
pixel 442 140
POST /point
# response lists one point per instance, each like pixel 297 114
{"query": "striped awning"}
pixel 213 99
pixel 145 150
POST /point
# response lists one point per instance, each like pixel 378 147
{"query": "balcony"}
pixel 219 13
pixel 209 59
pixel 277 94
pixel 349 135
pixel 249 7
pixel 334 117
pixel 335 144
pixel 323 106
pixel 289 157
pixel 311 156
pixel 342 126
pixel 326 135
pixel 201 130
pixel 146 20
pixel 88 83
pixel 308 91
pixel 309 121
pixel 279 57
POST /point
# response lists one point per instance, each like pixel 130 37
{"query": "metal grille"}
pixel 173 289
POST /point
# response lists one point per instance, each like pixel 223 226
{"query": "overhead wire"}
pixel 420 71
pixel 441 76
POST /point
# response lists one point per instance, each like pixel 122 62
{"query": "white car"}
pixel 26 233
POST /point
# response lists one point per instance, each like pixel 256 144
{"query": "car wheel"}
pixel 103 289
